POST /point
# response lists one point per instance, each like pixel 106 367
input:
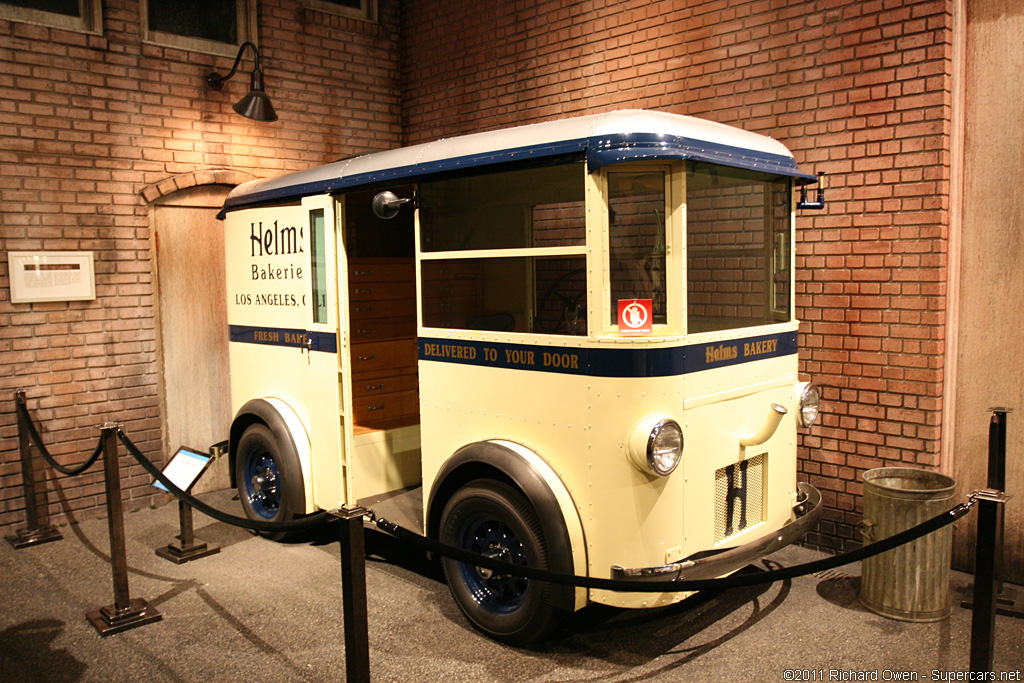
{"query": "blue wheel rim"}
pixel 262 484
pixel 497 593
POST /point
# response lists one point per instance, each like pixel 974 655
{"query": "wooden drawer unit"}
pixel 387 410
pixel 380 292
pixel 377 329
pixel 384 357
pixel 370 385
pixel 362 311
pixel 366 270
pixel 381 289
pixel 382 327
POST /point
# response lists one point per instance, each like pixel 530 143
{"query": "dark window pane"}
pixel 318 263
pixel 536 207
pixel 738 265
pixel 636 226
pixel 69 8
pixel 351 4
pixel 516 294
pixel 215 20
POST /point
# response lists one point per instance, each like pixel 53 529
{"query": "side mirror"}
pixel 386 205
pixel 819 200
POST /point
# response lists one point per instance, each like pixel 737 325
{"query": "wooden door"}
pixel 192 324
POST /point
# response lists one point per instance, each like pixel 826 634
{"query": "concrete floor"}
pixel 265 611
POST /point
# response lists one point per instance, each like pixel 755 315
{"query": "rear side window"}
pixel 505 251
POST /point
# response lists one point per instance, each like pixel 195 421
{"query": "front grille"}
pixel 739 497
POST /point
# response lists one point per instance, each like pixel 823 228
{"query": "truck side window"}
pixel 636 235
pixel 505 251
pixel 738 265
pixel 318 263
pixel 526 208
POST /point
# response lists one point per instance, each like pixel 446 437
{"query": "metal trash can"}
pixel 910 582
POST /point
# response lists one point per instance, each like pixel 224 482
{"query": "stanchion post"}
pixel 126 613
pixel 989 548
pixel 353 590
pixel 37 520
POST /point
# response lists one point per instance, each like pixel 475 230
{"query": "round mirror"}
pixel 386 204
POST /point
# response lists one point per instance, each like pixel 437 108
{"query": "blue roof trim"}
pixel 613 149
pixel 405 172
pixel 600 151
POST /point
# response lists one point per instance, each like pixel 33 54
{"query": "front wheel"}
pixel 493 519
pixel 263 476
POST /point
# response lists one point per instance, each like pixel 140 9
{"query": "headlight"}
pixel 655 445
pixel 810 400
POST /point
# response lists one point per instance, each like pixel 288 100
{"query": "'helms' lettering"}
pixel 274 241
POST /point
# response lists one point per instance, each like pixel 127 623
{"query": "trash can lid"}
pixel 908 480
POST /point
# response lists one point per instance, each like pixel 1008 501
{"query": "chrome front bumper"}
pixel 710 564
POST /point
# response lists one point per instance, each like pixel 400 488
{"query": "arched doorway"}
pixel 192 332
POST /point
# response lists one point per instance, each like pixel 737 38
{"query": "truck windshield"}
pixel 738 264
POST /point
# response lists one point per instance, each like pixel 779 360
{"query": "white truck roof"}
pixel 601 139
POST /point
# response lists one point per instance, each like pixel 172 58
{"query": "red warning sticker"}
pixel 635 316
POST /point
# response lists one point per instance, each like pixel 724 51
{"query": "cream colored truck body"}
pixel 565 405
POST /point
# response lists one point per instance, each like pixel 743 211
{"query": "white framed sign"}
pixel 51 276
pixel 184 468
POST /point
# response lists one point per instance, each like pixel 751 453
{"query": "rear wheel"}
pixel 495 520
pixel 263 477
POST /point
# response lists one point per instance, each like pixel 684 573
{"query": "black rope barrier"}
pixel 640 586
pixel 311 521
pixel 646 586
pixel 41 447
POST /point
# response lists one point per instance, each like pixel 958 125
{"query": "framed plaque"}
pixel 51 276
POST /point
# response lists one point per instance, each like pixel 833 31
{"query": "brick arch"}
pixel 183 181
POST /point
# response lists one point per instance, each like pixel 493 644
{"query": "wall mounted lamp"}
pixel 256 104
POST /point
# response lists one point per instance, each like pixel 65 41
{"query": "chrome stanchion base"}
pixel 23 538
pixel 110 619
pixel 180 554
pixel 1009 601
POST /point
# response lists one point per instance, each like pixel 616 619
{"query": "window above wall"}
pixel 212 26
pixel 356 9
pixel 74 15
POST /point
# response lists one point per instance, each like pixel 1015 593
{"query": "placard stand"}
pixel 184 471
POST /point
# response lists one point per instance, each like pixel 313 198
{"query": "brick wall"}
pixel 857 89
pixel 860 90
pixel 93 126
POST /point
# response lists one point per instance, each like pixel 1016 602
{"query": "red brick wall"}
pixel 87 123
pixel 855 89
pixel 860 90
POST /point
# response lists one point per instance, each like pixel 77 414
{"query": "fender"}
pixel 291 435
pixel 560 521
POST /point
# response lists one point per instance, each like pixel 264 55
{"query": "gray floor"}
pixel 264 611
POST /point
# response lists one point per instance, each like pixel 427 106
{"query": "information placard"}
pixel 184 468
pixel 51 276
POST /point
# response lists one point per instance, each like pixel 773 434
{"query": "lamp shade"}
pixel 256 104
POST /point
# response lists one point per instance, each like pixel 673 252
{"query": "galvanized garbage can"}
pixel 910 582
